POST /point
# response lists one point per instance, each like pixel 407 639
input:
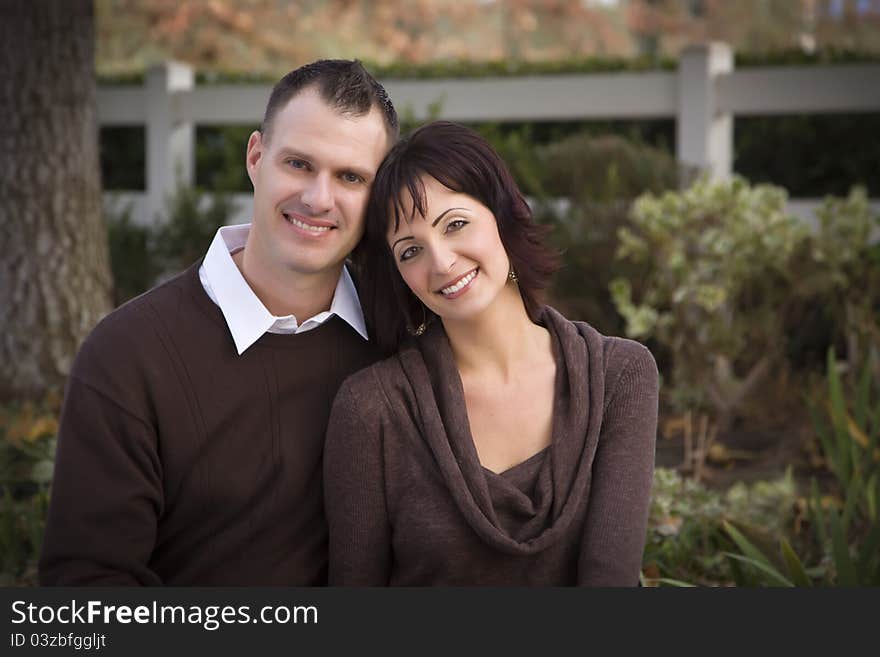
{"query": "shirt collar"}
pixel 246 316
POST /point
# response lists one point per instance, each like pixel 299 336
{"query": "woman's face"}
pixel 452 258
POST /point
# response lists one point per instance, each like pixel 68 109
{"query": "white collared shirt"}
pixel 246 316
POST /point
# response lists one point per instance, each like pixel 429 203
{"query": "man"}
pixel 191 436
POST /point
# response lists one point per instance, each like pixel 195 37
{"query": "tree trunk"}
pixel 55 276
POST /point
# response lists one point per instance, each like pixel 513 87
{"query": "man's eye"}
pixel 298 164
pixel 408 253
pixel 456 224
pixel 350 177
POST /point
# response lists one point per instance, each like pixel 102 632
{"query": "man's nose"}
pixel 318 194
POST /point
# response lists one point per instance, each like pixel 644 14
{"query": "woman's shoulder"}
pixel 612 349
pixel 368 389
pixel 621 353
pixel 618 355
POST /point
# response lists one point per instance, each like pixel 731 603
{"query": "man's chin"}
pixel 306 267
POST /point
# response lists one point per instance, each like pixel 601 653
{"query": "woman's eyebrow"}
pixel 407 237
pixel 444 213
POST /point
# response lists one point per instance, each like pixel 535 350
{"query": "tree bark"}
pixel 55 276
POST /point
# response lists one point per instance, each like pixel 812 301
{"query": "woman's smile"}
pixel 460 285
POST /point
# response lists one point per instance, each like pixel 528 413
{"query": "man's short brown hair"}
pixel 344 84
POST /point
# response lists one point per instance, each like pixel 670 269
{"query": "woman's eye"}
pixel 408 253
pixel 456 224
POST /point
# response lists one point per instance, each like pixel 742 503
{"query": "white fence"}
pixel 703 96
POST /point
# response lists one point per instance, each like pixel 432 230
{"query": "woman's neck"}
pixel 499 341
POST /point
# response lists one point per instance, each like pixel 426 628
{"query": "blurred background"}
pixel 711 171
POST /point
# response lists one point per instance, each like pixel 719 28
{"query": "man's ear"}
pixel 254 155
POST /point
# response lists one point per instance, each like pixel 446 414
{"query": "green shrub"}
pixel 27 455
pixel 686 541
pixel 719 280
pixel 598 177
pixel 848 538
pixel 220 157
pixel 142 255
pixel 586 168
pixel 184 234
pixel 132 254
pixel 844 273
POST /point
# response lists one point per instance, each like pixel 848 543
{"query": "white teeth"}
pixel 452 289
pixel 299 224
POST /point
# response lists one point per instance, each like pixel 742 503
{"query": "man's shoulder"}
pixel 168 298
pixel 131 331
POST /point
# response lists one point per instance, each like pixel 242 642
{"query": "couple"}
pixel 477 437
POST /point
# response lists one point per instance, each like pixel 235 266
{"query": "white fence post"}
pixel 704 134
pixel 170 142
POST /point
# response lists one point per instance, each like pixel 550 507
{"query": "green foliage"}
pixel 845 272
pixel 586 168
pixel 719 258
pixel 185 233
pixel 598 177
pixel 519 150
pixel 220 157
pixel 798 57
pixel 132 258
pixel 141 255
pixel 686 541
pixel 848 539
pixel 849 434
pixel 27 455
pixel 409 121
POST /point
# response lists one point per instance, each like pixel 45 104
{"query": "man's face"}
pixel 311 181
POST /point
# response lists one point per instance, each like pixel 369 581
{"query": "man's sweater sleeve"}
pixel 354 495
pixel 106 491
pixel 623 472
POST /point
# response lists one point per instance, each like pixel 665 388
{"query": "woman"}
pixel 501 444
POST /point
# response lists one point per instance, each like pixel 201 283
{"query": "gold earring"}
pixel 511 276
pixel 420 330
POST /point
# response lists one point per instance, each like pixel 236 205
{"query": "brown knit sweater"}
pixel 182 463
pixel 408 502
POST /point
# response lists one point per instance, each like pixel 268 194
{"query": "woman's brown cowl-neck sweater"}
pixel 408 502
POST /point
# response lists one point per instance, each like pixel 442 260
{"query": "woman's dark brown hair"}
pixel 463 161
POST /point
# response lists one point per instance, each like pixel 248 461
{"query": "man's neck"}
pixel 288 292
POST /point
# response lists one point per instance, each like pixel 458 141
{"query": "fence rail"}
pixel 702 96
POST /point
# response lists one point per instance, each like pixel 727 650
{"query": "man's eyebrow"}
pixel 408 237
pixel 444 213
pixel 287 151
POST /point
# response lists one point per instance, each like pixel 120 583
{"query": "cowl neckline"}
pixel 502 515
